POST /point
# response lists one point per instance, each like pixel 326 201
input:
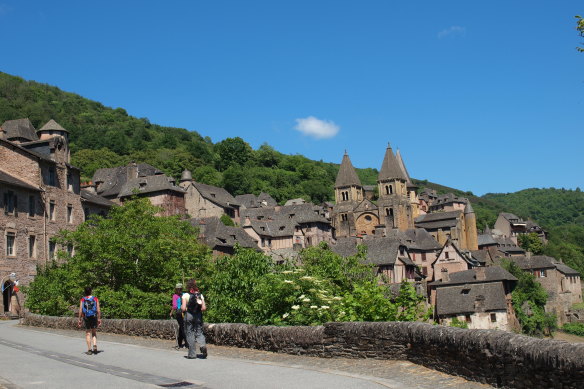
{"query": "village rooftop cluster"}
pixel 427 239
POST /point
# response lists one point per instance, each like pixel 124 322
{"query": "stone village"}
pixel 427 239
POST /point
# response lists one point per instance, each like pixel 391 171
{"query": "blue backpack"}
pixel 178 302
pixel 89 306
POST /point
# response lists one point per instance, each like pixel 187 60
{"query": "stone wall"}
pixel 499 358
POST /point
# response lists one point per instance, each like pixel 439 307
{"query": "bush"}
pixel 574 328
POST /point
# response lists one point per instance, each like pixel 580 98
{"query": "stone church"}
pixel 354 214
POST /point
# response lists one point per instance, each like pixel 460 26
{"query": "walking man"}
pixel 193 305
pixel 177 313
pixel 89 308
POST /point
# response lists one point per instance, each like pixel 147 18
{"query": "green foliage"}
pixel 529 299
pixel 567 244
pixel 531 242
pixel 574 328
pixel 580 28
pixel 457 323
pixel 226 220
pixel 132 254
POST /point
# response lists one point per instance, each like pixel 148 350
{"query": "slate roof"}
pixel 215 234
pixel 437 220
pixel 300 213
pixel 390 168
pixel 52 125
pixel 296 201
pixel 216 195
pixel 113 179
pixel 11 180
pixel 380 250
pixel 492 274
pixel 347 175
pixel 19 128
pixel 149 184
pixel 482 256
pixel 486 239
pixel 92 198
pixel 416 239
pixel 543 262
pixel 460 299
pixel 512 218
pixel 253 201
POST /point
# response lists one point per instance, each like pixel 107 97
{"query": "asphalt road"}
pixel 39 358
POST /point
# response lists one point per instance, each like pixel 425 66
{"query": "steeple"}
pixel 402 166
pixel 390 169
pixel 347 175
pixel 52 128
pixel 468 208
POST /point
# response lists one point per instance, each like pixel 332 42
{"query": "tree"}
pixel 529 299
pixel 580 28
pixel 232 151
pixel 531 242
pixel 132 259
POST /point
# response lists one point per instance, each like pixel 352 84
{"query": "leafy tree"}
pixel 531 242
pixel 580 28
pixel 208 175
pixel 226 220
pixel 529 299
pixel 232 151
pixel 129 254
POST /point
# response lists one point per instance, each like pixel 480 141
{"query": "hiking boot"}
pixel 89 352
pixel 95 350
pixel 204 352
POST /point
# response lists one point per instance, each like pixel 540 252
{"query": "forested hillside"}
pixel 107 137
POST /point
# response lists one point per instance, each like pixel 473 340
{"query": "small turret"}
pixel 186 178
pixel 52 129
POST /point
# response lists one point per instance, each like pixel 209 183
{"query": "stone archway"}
pixel 366 223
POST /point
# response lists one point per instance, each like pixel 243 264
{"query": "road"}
pixel 43 358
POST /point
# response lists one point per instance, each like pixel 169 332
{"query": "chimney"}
pixel 444 275
pixel 479 303
pixel 480 273
pixel 247 222
pixel 132 170
pixel 528 254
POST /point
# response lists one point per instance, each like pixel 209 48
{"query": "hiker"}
pixel 193 305
pixel 177 313
pixel 89 308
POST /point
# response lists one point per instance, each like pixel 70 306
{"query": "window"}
pixel 32 246
pixel 446 255
pixel 52 210
pixel 425 271
pixel 493 317
pixel 465 291
pixel 31 206
pixel 10 248
pixel 368 218
pixel 85 213
pixel 10 203
pixel 542 273
pixel 423 257
pixel 69 182
pixel 468 318
pixel 69 214
pixel 52 179
pixel 269 243
pixel 52 249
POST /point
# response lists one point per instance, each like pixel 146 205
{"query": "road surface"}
pixel 44 358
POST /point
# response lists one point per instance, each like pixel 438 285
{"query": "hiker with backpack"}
pixel 177 313
pixel 89 308
pixel 193 305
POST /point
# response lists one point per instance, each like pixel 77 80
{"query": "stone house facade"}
pixel 451 260
pixel 40 194
pixel 480 297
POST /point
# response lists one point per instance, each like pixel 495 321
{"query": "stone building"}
pixel 388 255
pixel 479 297
pixel 287 227
pixel 252 201
pixel 562 283
pixel 203 201
pixel 450 260
pixel 108 182
pixel 422 247
pixel 511 226
pixel 451 222
pixel 40 194
pixel 355 214
pixel 221 238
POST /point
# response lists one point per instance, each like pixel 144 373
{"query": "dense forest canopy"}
pixel 105 137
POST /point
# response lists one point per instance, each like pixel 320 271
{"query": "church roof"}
pixel 347 175
pixel 402 166
pixel 52 125
pixel 19 128
pixel 390 168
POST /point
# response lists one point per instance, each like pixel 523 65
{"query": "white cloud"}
pixel 319 129
pixel 452 31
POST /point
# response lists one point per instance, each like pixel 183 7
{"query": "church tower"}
pixel 395 208
pixel 471 227
pixel 348 185
pixel 410 186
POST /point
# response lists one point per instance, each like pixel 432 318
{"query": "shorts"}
pixel 90 322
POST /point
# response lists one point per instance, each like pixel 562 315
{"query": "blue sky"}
pixel 482 96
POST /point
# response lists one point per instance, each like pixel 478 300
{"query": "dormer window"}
pixel 290 216
pixel 213 195
pixel 282 228
pixel 465 291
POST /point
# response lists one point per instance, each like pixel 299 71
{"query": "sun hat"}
pixel 178 286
